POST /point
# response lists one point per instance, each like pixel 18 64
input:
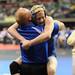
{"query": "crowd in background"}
pixel 64 34
pixel 55 8
pixel 6 38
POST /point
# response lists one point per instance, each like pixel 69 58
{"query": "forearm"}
pixel 12 30
pixel 41 38
pixel 15 34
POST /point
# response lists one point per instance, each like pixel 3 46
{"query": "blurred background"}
pixel 63 10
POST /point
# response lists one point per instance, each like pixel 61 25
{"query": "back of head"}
pixel 23 16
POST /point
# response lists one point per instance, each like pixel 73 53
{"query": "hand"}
pixel 26 44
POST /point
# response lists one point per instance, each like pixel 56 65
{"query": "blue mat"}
pixel 64 66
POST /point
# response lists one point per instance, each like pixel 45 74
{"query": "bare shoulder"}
pixel 60 24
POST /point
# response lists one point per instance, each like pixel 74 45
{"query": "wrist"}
pixel 31 42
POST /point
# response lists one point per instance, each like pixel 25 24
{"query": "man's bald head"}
pixel 23 16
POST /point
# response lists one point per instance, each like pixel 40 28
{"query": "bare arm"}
pixel 49 25
pixel 12 30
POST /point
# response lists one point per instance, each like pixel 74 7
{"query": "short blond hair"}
pixel 37 8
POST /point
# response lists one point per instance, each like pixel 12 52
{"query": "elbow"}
pixel 9 29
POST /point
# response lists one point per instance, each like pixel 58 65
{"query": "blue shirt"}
pixel 51 47
pixel 40 52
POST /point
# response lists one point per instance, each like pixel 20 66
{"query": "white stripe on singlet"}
pixel 39 31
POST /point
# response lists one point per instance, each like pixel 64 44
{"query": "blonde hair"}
pixel 37 8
